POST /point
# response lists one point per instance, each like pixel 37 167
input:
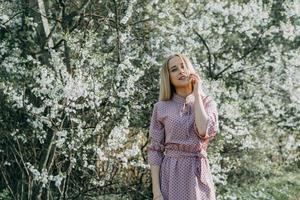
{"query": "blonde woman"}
pixel 183 122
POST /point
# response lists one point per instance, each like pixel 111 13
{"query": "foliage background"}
pixel 78 80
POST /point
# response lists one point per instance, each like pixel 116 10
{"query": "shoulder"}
pixel 160 109
pixel 161 104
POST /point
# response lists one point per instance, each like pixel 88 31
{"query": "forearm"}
pixel 155 178
pixel 201 118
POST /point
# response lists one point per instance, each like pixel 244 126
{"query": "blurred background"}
pixel 79 78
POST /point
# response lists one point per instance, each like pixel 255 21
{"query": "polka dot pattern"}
pixel 183 174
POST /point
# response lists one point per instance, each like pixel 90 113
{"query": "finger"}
pixel 192 79
pixel 195 77
pixel 192 76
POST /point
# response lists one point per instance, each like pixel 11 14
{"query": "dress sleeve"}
pixel 213 122
pixel 155 147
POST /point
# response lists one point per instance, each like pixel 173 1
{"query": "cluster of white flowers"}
pixel 101 155
pixel 61 138
pixel 292 8
pixel 253 11
pixel 128 12
pixel 230 110
pixel 117 137
pixel 6 12
pixel 289 30
pixel 249 142
pixel 58 179
pixel 133 74
pixel 45 79
pixel 43 177
pixel 133 151
pixel 75 88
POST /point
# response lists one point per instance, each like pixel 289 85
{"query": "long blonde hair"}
pixel 166 89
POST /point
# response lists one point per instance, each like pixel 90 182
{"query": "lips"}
pixel 182 77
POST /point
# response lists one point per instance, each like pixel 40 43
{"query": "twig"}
pixel 208 51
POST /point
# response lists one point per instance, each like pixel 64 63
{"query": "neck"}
pixel 184 91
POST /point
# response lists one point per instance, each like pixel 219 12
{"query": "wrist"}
pixel 156 190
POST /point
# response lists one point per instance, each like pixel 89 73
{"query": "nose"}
pixel 182 70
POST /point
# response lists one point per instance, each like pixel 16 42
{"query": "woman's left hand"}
pixel 197 83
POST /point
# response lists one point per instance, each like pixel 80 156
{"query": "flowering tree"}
pixel 78 80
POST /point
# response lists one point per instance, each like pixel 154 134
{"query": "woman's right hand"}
pixel 158 196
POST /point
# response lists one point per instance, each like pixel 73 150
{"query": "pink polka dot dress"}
pixel 181 154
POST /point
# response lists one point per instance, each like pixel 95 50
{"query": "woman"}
pixel 183 122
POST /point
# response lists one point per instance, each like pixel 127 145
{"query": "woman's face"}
pixel 178 76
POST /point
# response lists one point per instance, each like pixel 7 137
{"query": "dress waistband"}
pixel 184 147
pixel 177 150
pixel 182 150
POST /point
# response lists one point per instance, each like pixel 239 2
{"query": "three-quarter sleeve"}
pixel 213 123
pixel 155 147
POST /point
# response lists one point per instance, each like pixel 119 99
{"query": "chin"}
pixel 182 84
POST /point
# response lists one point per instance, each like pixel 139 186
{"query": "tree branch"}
pixel 208 52
pixel 248 52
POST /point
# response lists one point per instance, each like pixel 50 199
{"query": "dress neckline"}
pixel 176 97
pixel 190 97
